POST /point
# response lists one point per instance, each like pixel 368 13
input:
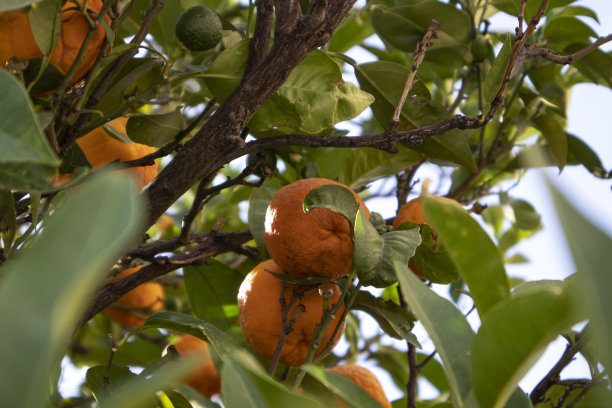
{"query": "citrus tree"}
pixel 183 213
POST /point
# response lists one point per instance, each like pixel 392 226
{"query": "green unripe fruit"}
pixel 198 28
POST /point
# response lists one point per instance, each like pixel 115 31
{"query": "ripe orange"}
pixel 18 41
pixel 412 211
pixel 363 378
pixel 317 243
pixel 100 149
pixel 204 378
pixel 260 315
pixel 149 297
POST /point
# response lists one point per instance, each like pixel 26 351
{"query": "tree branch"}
pixel 211 244
pixel 210 148
pixel 261 37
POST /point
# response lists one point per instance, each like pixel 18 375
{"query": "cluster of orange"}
pixel 313 244
pixel 18 40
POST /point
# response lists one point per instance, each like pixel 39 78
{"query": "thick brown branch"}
pixel 261 37
pixel 213 244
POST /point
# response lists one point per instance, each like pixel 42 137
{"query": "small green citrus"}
pixel 198 28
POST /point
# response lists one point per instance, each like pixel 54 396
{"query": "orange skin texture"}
pixel 317 243
pixel 101 149
pixel 18 40
pixel 260 318
pixel 363 378
pixel 149 295
pixel 204 378
pixel 412 211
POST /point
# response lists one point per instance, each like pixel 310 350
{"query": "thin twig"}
pixel 419 55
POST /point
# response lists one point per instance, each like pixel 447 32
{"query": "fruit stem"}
pixel 326 319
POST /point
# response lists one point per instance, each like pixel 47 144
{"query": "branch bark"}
pixel 210 148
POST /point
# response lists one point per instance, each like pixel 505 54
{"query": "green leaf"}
pixel 521 326
pixel 45 23
pixel 552 127
pixel 212 291
pixel 472 250
pixel 333 197
pixel 8 223
pixel 312 99
pixel 245 384
pixel 391 317
pixel 525 216
pixel 495 76
pixel 565 30
pixel 346 389
pixel 97 377
pixel 184 323
pixel 403 27
pixel 433 259
pixel 385 80
pixel 43 291
pixel 140 391
pixel 155 130
pixel 15 4
pixel 354 29
pixel 368 250
pixel 258 205
pixel 447 327
pixel 590 248
pixel 27 161
pixel 396 246
pixel 365 165
pixel 579 152
pixel 137 76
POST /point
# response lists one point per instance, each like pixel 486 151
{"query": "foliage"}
pixel 486 107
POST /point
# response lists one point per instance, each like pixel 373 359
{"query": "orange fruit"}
pixel 363 378
pixel 18 40
pixel 101 149
pixel 148 296
pixel 412 211
pixel 317 243
pixel 260 315
pixel 203 378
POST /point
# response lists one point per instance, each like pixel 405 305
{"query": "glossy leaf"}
pixel 552 128
pixel 403 27
pixel 245 384
pixel 495 76
pixel 27 161
pixel 188 324
pixel 354 29
pixel 155 130
pixel 511 7
pixel 447 327
pixel 521 326
pixel 396 246
pixel 352 394
pixel 97 377
pixel 391 317
pixel 43 291
pixel 385 80
pixel 45 24
pixel 363 166
pixel 432 259
pixel 472 250
pixel 312 99
pixel 333 197
pixel 212 291
pixel 590 248
pixel 15 4
pixel 368 252
pixel 565 30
